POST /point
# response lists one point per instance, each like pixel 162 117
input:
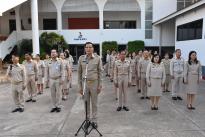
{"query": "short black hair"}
pixel 28 53
pixel 155 55
pixel 89 43
pixel 177 50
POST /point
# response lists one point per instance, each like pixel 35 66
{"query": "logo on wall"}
pixel 80 37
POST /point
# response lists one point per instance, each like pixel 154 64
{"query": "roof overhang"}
pixel 180 12
pixel 6 5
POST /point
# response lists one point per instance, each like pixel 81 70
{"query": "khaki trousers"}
pixel 143 85
pixel 18 94
pixel 31 86
pixel 177 84
pixel 123 86
pixel 56 89
pixel 92 99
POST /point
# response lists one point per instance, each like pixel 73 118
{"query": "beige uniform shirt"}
pixel 55 69
pixel 193 69
pixel 122 68
pixel 41 68
pixel 66 68
pixel 31 68
pixel 166 63
pixel 94 71
pixel 155 71
pixel 142 66
pixel 17 74
pixel 177 67
pixel 111 61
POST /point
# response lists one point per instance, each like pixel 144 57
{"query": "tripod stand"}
pixel 86 123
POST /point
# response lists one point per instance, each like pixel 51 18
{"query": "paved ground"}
pixel 172 120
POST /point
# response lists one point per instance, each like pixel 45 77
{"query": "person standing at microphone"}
pixel 94 79
pixel 18 83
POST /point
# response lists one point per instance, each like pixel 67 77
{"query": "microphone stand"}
pixel 86 123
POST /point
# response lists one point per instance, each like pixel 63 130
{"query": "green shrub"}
pixel 50 41
pixel 109 45
pixel 24 47
pixel 134 46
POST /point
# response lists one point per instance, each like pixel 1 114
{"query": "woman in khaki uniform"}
pixel 67 70
pixel 193 72
pixel 155 77
pixel 41 72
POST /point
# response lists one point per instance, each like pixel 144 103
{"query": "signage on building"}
pixel 80 37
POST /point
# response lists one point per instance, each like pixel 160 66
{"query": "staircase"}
pixel 7 45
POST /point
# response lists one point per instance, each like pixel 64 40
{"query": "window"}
pixel 49 24
pixel 190 31
pixel 148 18
pixel 185 3
pixel 120 24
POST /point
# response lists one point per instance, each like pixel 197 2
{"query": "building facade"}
pixel 80 21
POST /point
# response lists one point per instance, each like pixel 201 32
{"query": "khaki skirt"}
pixel 192 86
pixel 155 89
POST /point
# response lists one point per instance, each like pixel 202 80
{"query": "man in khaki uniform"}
pixel 18 83
pixel 142 68
pixel 177 66
pixel 55 76
pixel 94 79
pixel 31 77
pixel 166 62
pixel 122 79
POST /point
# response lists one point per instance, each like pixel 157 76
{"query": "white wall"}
pixel 122 5
pixel 197 45
pixel 162 8
pixel 168 33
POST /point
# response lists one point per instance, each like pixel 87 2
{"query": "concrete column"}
pixel 101 19
pixel 59 4
pixel 35 26
pixel 59 19
pixel 18 20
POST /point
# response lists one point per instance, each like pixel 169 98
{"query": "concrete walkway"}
pixel 172 120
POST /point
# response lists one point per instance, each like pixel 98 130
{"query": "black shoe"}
pixel 15 110
pixel 139 91
pixel 116 98
pixel 126 108
pixel 53 110
pixel 111 80
pixel 152 108
pixel 58 109
pixel 95 125
pixel 21 110
pixel 147 98
pixel 142 98
pixel 87 125
pixel 164 91
pixel 29 100
pixel 168 91
pixel 174 98
pixel 119 108
pixel 179 98
pixel 155 108
pixel 192 108
pixel 39 93
pixel 33 100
